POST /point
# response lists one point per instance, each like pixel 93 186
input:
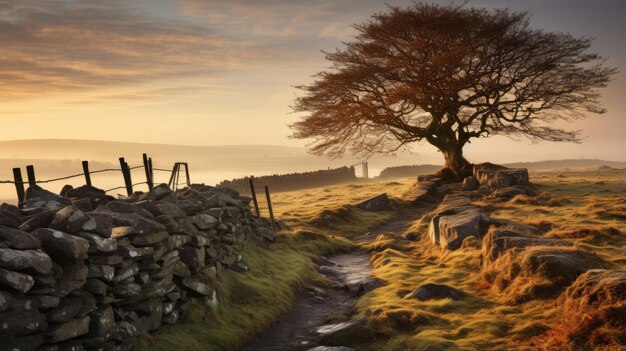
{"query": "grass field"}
pixel 586 207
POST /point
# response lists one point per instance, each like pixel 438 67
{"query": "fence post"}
pixel 269 207
pixel 256 203
pixel 146 167
pixel 187 174
pixel 173 177
pixel 126 174
pixel 86 172
pixel 151 171
pixel 19 185
pixel 30 173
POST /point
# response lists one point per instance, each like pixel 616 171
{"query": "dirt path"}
pixel 296 329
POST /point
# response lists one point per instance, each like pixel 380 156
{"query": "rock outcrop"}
pixel 496 176
pixel 377 203
pixel 87 271
pixel 456 219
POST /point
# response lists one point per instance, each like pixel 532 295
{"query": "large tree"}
pixel 445 75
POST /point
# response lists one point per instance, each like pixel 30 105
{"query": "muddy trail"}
pixel 316 307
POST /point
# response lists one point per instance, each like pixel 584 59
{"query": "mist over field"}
pixel 208 164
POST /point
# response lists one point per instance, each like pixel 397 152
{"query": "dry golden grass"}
pixel 584 207
pixel 330 209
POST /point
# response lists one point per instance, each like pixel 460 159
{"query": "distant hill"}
pixel 414 170
pixel 561 164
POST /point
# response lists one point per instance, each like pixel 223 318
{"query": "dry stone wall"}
pixel 294 181
pixel 85 271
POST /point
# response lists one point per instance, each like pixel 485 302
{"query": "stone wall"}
pixel 87 271
pixel 294 181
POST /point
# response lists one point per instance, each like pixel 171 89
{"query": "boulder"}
pixel 60 246
pixel 83 192
pixel 361 286
pixel 197 286
pixel 69 330
pixel 563 265
pixel 377 203
pixel 98 243
pixel 73 276
pixel 449 231
pixel 170 209
pixel 96 287
pixel 204 221
pixel 148 239
pixel 100 223
pixel 346 333
pixel 36 196
pixel 161 191
pixel 45 302
pixel 67 309
pixel 38 220
pixel 9 218
pixel 101 321
pixel 432 291
pixel 17 239
pixel 266 234
pixel 18 281
pixel 30 261
pixel 497 176
pixel 497 241
pixel 103 272
pixel 21 322
pixel 138 224
pixel 127 207
pixel 122 331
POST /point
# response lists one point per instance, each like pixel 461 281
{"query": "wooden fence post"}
pixel 127 178
pixel 19 185
pixel 146 167
pixel 187 174
pixel 256 203
pixel 86 172
pixel 151 171
pixel 30 173
pixel 269 207
pixel 171 183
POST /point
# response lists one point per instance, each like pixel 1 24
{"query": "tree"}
pixel 446 75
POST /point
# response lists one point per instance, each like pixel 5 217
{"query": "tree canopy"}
pixel 445 75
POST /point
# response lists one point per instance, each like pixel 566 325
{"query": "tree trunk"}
pixel 456 167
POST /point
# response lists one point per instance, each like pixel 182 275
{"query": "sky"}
pixel 222 72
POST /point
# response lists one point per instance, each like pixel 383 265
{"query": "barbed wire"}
pixel 71 176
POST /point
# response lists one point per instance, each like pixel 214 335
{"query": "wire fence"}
pixel 124 169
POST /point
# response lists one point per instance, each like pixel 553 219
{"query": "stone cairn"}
pixel 85 271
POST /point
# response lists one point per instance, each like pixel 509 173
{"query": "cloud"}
pixel 58 46
pixel 280 18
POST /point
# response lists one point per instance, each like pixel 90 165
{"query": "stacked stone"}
pixel 86 271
